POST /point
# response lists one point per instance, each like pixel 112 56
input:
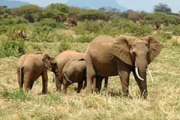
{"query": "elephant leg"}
pixel 142 85
pixel 98 83
pixel 124 73
pixel 26 86
pixel 65 86
pixel 90 74
pixel 27 80
pixel 80 84
pixel 84 84
pixel 58 84
pixel 106 82
pixel 31 84
pixel 44 82
pixel 124 76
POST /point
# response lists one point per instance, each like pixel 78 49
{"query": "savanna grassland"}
pixel 19 35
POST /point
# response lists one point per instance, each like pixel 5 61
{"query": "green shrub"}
pixel 92 15
pixel 163 36
pixel 17 32
pixel 64 45
pixel 50 23
pixel 143 30
pixel 84 38
pixel 3 29
pixel 11 48
pixel 15 95
pixel 12 21
pixel 88 27
pixel 121 26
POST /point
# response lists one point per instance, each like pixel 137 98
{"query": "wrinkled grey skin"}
pixel 108 56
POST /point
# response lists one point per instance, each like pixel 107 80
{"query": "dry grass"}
pixel 163 101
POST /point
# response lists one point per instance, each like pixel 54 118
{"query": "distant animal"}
pixel 107 56
pixel 71 20
pixel 30 68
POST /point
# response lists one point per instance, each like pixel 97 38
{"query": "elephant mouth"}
pixel 137 73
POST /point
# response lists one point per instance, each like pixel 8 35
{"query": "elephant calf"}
pixel 74 72
pixel 30 68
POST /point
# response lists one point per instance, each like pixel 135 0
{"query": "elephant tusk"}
pixel 137 73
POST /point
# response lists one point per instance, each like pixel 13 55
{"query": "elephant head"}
pixel 138 53
pixel 50 63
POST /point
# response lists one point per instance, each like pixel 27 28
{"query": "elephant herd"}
pixel 105 56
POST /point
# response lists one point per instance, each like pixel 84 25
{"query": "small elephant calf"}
pixel 30 68
pixel 74 72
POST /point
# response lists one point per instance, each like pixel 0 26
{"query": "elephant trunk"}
pixel 140 70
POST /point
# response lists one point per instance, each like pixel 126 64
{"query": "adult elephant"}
pixel 108 56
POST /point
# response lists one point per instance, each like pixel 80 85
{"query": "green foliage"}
pixel 118 27
pixel 17 32
pixel 49 22
pixel 88 27
pixel 12 21
pixel 92 15
pixel 162 8
pixel 176 30
pixel 64 45
pixel 15 95
pixel 11 48
pixel 65 42
pixel 85 38
pixel 30 12
pixel 164 36
pixel 53 10
pixel 162 18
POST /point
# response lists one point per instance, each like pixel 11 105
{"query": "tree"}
pixel 57 11
pixel 30 12
pixel 162 8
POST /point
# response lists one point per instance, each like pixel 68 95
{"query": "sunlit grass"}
pixel 163 101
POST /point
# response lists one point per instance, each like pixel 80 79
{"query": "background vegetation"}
pixel 32 28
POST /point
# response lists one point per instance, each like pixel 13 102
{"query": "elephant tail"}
pixel 21 79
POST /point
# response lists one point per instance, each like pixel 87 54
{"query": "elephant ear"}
pixel 121 49
pixel 154 47
pixel 48 61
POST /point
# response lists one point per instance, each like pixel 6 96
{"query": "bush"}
pixel 92 15
pixel 49 22
pixel 12 21
pixel 88 27
pixel 30 12
pixel 11 48
pixel 64 45
pixel 17 32
pixel 85 38
pixel 121 26
pixel 163 36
